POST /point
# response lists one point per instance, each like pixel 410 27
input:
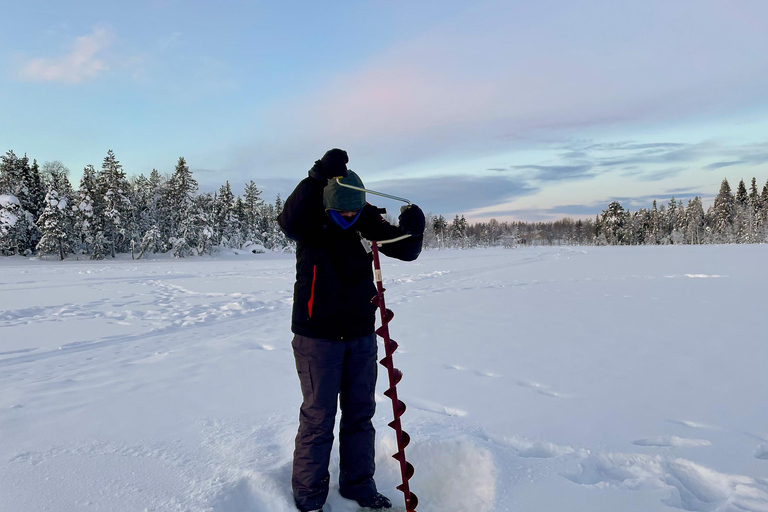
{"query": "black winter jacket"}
pixel 334 274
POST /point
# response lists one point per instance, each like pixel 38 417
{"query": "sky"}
pixel 512 110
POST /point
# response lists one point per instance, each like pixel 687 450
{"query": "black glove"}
pixel 332 165
pixel 412 220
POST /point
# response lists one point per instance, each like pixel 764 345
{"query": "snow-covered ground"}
pixel 536 379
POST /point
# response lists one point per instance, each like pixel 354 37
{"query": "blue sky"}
pixel 513 109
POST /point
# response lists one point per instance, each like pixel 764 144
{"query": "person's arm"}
pixel 375 227
pixel 303 211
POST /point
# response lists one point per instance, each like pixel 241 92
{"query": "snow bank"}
pixel 692 486
pixel 452 475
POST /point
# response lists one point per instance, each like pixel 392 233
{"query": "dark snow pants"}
pixel 329 370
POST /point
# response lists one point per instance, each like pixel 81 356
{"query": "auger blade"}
pixel 411 503
pixel 408 475
pixel 383 331
pixel 398 376
pixel 376 300
pixel 392 346
pixel 388 316
pixel 406 438
pixel 386 362
pixel 400 408
pixel 395 424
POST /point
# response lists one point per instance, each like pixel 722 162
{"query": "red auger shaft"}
pixel 395 375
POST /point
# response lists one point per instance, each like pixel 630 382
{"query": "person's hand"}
pixel 412 220
pixel 332 165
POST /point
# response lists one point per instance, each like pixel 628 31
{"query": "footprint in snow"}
pixel 424 405
pixel 671 442
pixel 540 389
pixel 260 346
pixel 695 424
pixel 479 373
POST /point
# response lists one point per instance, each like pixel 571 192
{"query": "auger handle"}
pixel 382 194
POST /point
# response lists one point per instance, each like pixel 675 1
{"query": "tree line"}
pixel 40 212
pixel 109 213
pixel 733 218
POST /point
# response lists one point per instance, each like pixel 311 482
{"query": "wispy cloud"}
pixel 449 195
pixel 530 74
pixel 558 172
pixel 84 61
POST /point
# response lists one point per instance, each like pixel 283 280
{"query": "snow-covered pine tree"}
pixel 53 224
pixel 252 212
pixel 90 215
pixel 117 206
pixel 279 240
pixel 181 191
pixel 439 228
pixel 458 232
pixel 694 221
pixel 36 187
pixel 19 232
pixel 724 211
pixel 614 220
pixel 224 203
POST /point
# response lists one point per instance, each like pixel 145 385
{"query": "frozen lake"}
pixel 593 379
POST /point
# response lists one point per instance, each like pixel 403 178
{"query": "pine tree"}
pixel 20 234
pixel 53 226
pixel 36 187
pixel 252 209
pixel 695 221
pixel 91 220
pixel 440 226
pixel 114 187
pixel 615 223
pixel 180 195
pixel 724 211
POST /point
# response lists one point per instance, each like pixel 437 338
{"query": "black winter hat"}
pixel 334 162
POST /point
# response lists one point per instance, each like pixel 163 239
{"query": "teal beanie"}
pixel 343 199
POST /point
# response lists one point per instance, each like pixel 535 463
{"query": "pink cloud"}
pixel 83 61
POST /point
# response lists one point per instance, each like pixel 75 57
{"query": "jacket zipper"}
pixel 312 293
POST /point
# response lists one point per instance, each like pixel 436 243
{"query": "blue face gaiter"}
pixel 342 222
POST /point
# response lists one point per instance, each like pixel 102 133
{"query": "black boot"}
pixel 375 501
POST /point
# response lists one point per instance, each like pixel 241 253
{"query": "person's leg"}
pixel 319 364
pixel 357 436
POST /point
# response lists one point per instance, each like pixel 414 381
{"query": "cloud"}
pixel 84 61
pixel 532 73
pixel 449 195
pixel 558 172
pixel 719 165
pixel 660 175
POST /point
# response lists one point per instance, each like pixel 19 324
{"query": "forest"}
pixel 109 213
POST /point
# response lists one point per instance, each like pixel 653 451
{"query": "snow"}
pixel 579 379
pixel 8 219
pixel 7 200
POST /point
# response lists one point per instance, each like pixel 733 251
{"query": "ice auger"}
pixel 395 375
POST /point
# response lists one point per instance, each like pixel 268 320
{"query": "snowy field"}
pixel 609 379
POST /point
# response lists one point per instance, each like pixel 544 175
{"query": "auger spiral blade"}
pixel 395 376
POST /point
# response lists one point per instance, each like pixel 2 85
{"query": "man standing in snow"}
pixel 333 324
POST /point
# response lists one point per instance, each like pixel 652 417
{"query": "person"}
pixel 333 323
